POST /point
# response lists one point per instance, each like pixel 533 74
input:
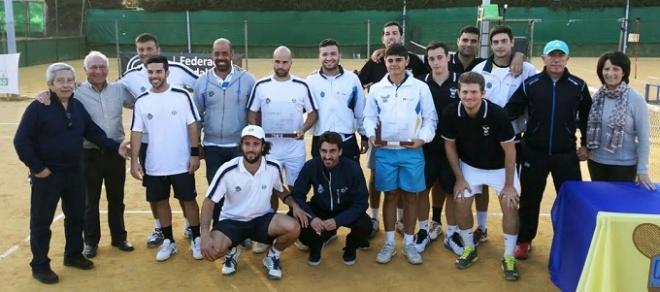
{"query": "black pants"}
pixel 215 157
pixel 605 172
pixel 46 192
pixel 102 167
pixel 535 169
pixel 357 238
pixel 350 148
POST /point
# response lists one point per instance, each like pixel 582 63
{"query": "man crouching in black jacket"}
pixel 339 199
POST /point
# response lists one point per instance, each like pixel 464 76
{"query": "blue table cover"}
pixel 574 220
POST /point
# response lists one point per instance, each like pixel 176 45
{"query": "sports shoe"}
pixel 454 243
pixel 196 247
pixel 167 249
pixel 231 261
pixel 510 268
pixel 480 235
pixel 301 246
pixel 386 253
pixel 187 232
pixel 328 237
pixel 399 227
pixel 413 256
pixel 314 258
pixel 89 251
pixel 375 227
pixel 258 247
pixel 247 243
pixel 79 262
pixel 155 238
pixel 467 258
pixel 435 230
pixel 349 256
pixel 46 276
pixel 272 265
pixel 422 240
pixel 522 250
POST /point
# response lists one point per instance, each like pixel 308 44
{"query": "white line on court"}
pixel 8 124
pixel 13 248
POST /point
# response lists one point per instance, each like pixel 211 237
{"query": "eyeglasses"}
pixel 69 121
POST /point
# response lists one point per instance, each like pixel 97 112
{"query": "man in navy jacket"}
pixel 339 199
pixel 49 140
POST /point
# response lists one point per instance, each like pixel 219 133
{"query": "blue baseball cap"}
pixel 555 45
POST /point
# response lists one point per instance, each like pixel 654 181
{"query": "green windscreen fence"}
pixel 588 31
pixel 29 18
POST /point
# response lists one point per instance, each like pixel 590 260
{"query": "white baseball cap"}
pixel 254 131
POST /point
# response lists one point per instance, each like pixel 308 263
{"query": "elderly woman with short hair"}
pixel 618 127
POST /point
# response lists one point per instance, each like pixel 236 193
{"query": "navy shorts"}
pixel 158 187
pixel 437 169
pixel 238 231
pixel 143 161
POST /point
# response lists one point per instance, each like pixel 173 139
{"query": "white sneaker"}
pixel 435 230
pixel 155 238
pixel 196 247
pixel 258 247
pixel 454 244
pixel 167 249
pixel 272 265
pixel 422 240
pixel 187 232
pixel 231 261
pixel 399 227
pixel 412 255
pixel 386 253
pixel 301 246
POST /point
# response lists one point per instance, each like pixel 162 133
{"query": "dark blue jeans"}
pixel 46 193
pixel 215 157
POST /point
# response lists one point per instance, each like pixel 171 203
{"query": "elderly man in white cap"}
pixel 551 99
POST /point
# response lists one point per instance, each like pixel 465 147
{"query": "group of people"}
pixel 449 124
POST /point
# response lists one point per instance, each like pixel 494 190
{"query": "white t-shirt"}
pixel 501 84
pixel 165 116
pixel 246 196
pixel 282 104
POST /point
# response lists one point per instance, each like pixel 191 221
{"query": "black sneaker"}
pixel 349 256
pixel 46 276
pixel 79 262
pixel 123 245
pixel 90 251
pixel 314 258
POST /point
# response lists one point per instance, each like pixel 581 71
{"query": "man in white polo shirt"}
pixel 170 117
pixel 277 103
pixel 246 183
pixel 136 81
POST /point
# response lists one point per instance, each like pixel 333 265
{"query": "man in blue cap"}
pixel 551 99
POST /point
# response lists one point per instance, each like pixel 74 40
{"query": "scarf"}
pixel 615 125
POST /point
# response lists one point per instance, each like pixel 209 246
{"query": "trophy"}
pixel 646 238
pixel 280 124
pixel 392 137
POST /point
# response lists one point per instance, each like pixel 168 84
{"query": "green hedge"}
pixel 342 5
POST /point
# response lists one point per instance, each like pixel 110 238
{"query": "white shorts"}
pixel 291 167
pixel 476 178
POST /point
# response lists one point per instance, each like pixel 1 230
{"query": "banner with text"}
pixel 9 73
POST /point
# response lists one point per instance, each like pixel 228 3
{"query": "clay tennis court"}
pixel 138 271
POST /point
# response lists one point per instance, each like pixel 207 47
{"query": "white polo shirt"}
pixel 282 104
pixel 501 84
pixel 340 102
pixel 165 116
pixel 246 196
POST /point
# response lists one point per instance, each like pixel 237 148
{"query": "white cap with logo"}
pixel 254 131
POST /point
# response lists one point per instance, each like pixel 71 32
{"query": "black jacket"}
pixel 340 191
pixel 51 136
pixel 555 110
